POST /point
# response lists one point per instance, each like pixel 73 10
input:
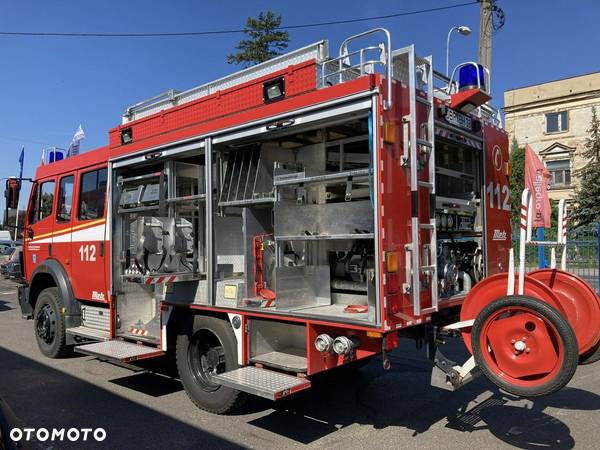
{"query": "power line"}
pixel 216 32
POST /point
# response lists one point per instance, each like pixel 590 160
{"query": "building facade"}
pixel 553 118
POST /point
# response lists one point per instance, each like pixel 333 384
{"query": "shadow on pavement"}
pixel 5 306
pixel 41 396
pixel 149 383
pixel 399 398
pixel 404 398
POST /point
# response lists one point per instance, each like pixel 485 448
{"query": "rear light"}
pixel 391 262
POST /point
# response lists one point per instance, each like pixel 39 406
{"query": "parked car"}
pixel 6 254
pixel 7 244
pixel 12 267
pixel 5 259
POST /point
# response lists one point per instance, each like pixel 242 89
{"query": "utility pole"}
pixel 486 27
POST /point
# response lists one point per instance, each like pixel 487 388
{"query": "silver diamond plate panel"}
pixel 90 333
pixel 116 349
pixel 237 261
pixel 220 292
pixel 95 317
pixel 261 382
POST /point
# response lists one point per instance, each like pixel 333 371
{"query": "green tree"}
pixel 587 193
pixel 266 40
pixel 517 177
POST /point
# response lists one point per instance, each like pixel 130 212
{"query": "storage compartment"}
pixel 295 212
pixel 159 245
pixel 459 217
pixel 281 345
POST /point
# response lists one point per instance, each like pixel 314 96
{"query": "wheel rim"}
pixel 45 324
pixel 494 287
pixel 579 302
pixel 206 358
pixel 521 347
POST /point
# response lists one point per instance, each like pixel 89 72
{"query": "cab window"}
pixel 65 199
pixel 92 194
pixel 43 201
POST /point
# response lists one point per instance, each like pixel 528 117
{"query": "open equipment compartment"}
pixel 159 247
pixel 294 226
pixel 459 216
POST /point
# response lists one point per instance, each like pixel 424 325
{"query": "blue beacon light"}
pixel 467 77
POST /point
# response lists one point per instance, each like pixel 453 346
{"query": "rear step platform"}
pixel 89 333
pixel 119 350
pixel 262 382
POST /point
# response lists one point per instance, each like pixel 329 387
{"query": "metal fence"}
pixel 582 252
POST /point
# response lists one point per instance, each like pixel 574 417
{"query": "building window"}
pixel 560 171
pixel 557 122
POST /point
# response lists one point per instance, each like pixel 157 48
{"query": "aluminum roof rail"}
pixel 318 51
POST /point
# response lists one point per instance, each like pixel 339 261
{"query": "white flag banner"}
pixel 74 145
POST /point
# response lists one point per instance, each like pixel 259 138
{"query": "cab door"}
pixel 41 223
pixel 88 246
pixel 63 216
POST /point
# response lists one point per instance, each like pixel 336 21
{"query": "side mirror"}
pixel 12 193
pixel 12 196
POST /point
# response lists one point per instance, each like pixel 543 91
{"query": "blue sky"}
pixel 50 85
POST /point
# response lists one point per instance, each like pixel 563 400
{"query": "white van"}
pixel 5 235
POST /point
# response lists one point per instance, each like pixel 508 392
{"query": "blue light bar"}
pixel 467 77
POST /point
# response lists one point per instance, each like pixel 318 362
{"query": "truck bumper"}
pixel 23 295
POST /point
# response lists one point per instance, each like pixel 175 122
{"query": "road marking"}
pixel 6 293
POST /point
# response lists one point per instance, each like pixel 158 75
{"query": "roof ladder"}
pixel 419 156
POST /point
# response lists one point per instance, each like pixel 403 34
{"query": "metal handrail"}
pixel 318 51
pixel 386 51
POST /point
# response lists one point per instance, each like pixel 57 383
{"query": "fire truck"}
pixel 299 216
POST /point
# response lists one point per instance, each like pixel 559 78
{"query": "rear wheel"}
pixel 524 346
pixel 207 346
pixel 49 324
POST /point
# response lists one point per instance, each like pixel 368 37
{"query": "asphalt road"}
pixel 371 408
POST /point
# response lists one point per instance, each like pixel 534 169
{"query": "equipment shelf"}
pixel 320 237
pixel 337 177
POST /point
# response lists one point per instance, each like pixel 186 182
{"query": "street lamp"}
pixel 464 30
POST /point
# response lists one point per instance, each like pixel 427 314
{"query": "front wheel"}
pixel 524 346
pixel 49 324
pixel 207 346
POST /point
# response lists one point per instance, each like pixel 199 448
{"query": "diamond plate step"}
pixel 262 382
pixel 122 351
pixel 89 333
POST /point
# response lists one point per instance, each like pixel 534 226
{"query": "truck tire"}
pixel 547 357
pixel 204 345
pixel 49 324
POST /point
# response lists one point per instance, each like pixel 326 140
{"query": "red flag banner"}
pixel 537 180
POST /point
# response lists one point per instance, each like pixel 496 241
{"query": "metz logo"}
pixel 499 235
pixel 100 295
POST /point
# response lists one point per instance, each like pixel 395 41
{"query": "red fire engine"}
pixel 297 216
